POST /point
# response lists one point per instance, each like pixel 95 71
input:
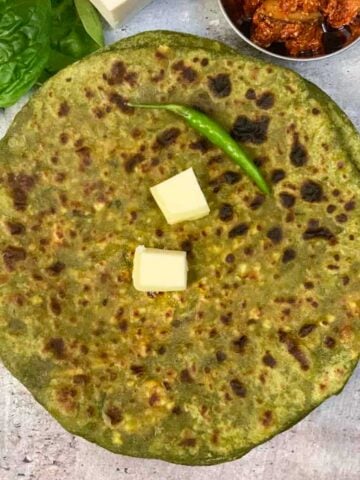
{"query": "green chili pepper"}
pixel 217 135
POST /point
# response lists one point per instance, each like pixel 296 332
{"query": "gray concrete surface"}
pixel 324 446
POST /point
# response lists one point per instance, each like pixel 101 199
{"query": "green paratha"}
pixel 269 326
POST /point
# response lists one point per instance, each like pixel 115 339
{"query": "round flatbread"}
pixel 269 325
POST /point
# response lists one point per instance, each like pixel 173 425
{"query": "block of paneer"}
pixel 116 11
pixel 157 270
pixel 180 198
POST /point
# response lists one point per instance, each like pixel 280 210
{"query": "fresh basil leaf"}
pixel 57 61
pixel 68 37
pixel 90 20
pixel 24 46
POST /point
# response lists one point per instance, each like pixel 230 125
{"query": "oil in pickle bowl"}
pixel 303 33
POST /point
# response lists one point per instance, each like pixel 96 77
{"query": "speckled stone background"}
pixel 324 446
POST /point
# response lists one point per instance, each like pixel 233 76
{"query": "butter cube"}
pixel 180 198
pixel 115 11
pixel 158 270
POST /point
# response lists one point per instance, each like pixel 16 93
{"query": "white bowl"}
pixel 283 57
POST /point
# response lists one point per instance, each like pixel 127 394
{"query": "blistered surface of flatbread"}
pixel 269 326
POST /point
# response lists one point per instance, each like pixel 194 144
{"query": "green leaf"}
pixel 58 61
pixel 69 40
pixel 90 20
pixel 24 46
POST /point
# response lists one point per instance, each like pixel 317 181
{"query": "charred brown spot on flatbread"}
pixel 66 398
pixel 220 85
pixel 260 161
pixel 226 212
pixel 188 74
pixel 203 145
pixel 298 154
pixel 154 400
pixel 114 414
pixel 16 228
pixel 132 162
pixel 231 177
pixel 55 306
pixel 131 78
pixel 269 360
pixel 329 342
pixel 176 410
pixel 275 234
pixel 306 329
pixel 84 154
pixel 226 318
pixel 250 94
pixel 238 388
pixel 350 205
pixel 158 77
pixel 311 191
pixel 288 255
pixel 277 175
pixel 64 109
pixel 185 376
pixel 188 442
pixel 121 103
pixel 119 74
pixel 186 246
pixel 168 137
pixel 287 199
pixel 315 230
pixel 137 370
pixel 56 268
pixel 267 418
pixel 230 258
pixel 99 112
pixel 257 201
pixel 252 131
pixel 20 184
pixel 341 218
pixel 221 356
pixel 266 100
pixel 81 379
pixel 12 256
pixel 116 74
pixel 64 138
pixel 89 93
pixel 239 230
pixel 240 343
pixel 56 346
pixel 294 350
